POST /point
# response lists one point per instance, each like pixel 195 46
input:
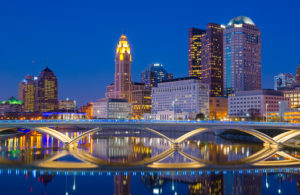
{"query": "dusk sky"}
pixel 77 39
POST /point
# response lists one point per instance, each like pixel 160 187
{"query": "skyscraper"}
pixel 27 92
pixel 212 59
pixel 195 44
pixel 154 74
pixel 46 96
pixel 121 88
pixel 242 55
pixel 206 56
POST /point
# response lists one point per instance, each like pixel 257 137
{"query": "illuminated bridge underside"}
pixel 156 128
pixel 259 159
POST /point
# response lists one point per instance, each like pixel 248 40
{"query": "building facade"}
pixel 294 95
pixel 12 105
pixel 181 95
pixel 141 100
pixel 284 80
pixel 154 74
pixel 67 104
pixel 254 103
pixel 121 88
pixel 218 108
pixel 47 92
pixel 27 93
pixel 242 55
pixel 112 109
pixel 88 109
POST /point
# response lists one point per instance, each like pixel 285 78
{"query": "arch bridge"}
pixel 189 128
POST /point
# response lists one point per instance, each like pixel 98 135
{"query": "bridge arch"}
pixel 286 136
pixel 68 141
pixel 265 138
pixel 58 135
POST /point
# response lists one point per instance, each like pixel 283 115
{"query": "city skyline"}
pixel 92 63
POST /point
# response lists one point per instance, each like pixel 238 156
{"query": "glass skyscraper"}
pixel 206 57
pixel 242 55
pixel 154 74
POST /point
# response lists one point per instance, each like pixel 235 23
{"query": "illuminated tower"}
pixel 242 55
pixel 26 93
pixel 122 85
pixel 195 44
pixel 46 96
pixel 212 59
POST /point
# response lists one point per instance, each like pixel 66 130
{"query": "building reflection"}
pixel 122 184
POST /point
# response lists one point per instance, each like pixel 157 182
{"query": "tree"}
pixel 200 116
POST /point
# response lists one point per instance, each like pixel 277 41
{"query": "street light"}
pixel 267 112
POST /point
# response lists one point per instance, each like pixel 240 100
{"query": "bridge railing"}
pixel 128 121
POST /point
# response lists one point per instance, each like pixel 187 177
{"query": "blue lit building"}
pixel 154 74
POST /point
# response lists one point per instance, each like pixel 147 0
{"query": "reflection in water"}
pixel 45 167
pixel 34 182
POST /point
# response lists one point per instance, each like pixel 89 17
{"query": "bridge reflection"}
pixel 264 158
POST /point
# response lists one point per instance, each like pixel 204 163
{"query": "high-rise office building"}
pixel 27 93
pixel 212 59
pixel 206 56
pixel 121 88
pixel 242 55
pixel 46 96
pixel 154 74
pixel 195 44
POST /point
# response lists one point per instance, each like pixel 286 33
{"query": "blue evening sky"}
pixel 77 38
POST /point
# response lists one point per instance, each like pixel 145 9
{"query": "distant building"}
pixel 254 103
pixel 294 95
pixel 141 100
pixel 181 95
pixel 46 99
pixel 284 80
pixel 61 115
pixel 218 108
pixel 154 74
pixel 112 109
pixel 12 105
pixel 88 109
pixel 67 104
pixel 27 93
pixel 242 55
pixel 206 56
